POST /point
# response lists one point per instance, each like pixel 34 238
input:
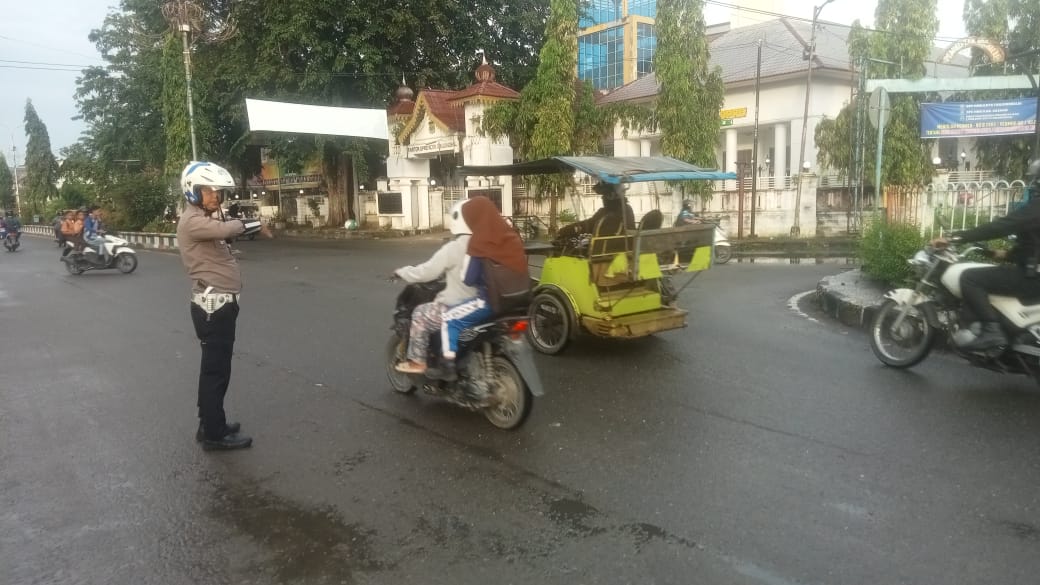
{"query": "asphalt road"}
pixel 756 446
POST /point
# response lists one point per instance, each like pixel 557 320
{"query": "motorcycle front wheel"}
pixel 73 267
pixel 904 344
pixel 513 399
pixel 126 263
pixel 395 354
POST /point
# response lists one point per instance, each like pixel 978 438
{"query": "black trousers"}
pixel 216 334
pixel 978 283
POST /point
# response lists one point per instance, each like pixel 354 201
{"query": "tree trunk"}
pixel 338 182
pixel 554 213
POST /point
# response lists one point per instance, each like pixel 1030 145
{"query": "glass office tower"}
pixel 616 41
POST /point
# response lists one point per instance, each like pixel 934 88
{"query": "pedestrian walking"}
pixel 216 283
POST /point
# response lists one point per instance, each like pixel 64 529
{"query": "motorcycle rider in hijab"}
pixel 428 317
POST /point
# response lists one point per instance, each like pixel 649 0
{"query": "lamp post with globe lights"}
pixel 195 24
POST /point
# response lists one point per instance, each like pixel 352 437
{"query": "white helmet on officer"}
pixel 200 174
pixel 458 223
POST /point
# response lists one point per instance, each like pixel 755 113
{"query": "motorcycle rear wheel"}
pixel 514 399
pixel 723 254
pixel 395 353
pixel 903 347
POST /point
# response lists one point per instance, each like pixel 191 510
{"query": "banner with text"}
pixel 988 118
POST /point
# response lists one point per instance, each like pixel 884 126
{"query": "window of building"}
pixel 646 44
pixel 643 8
pixel 390 204
pixel 595 12
pixel 601 58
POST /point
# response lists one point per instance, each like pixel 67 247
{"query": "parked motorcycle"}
pixel 495 372
pixel 11 239
pixel 120 256
pixel 723 249
pixel 904 329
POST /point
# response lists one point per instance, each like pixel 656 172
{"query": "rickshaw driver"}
pixel 608 219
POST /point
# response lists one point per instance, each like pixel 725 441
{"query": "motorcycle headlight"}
pixel 921 258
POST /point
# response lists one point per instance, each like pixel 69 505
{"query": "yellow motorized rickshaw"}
pixel 615 284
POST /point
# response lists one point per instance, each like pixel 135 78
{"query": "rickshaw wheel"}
pixel 550 324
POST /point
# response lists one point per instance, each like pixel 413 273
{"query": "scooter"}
pixel 495 372
pixel 120 256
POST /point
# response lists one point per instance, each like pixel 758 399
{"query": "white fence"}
pixel 153 241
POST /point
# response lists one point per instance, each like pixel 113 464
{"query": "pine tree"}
pixel 7 199
pixel 40 165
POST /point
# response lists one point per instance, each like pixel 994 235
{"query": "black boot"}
pixel 992 336
pixel 227 442
pixel 231 427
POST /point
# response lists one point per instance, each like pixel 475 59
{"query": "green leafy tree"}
pixel 1016 25
pixel 542 123
pixel 41 168
pixel 687 108
pixel 898 49
pixel 7 198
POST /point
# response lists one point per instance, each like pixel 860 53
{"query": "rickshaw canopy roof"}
pixel 609 169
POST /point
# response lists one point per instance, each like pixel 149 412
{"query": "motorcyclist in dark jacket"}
pixel 1018 277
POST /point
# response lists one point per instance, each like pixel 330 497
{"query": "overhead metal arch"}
pixel 991 48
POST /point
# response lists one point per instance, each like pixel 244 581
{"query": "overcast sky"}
pixel 43 44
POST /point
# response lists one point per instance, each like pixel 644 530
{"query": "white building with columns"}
pixel 781 106
pixel 430 136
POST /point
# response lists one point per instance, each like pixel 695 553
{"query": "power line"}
pixel 30 68
pixel 5 37
pixel 43 63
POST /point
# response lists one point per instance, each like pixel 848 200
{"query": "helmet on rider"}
pixel 1033 172
pixel 458 223
pixel 204 174
pixel 610 192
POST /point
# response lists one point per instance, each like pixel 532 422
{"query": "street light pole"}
pixel 185 29
pixel 796 228
pixel 14 162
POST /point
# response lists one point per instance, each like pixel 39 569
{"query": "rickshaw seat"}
pixel 653 220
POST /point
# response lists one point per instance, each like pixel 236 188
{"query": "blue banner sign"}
pixel 988 118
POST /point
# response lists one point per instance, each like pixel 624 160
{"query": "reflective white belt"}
pixel 211 302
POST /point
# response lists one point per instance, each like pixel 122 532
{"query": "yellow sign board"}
pixel 732 113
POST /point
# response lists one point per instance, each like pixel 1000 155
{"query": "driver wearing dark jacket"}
pixel 612 219
pixel 1018 278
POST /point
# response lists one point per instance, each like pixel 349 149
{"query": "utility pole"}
pixel 17 192
pixel 796 229
pixel 754 149
pixel 740 197
pixel 185 29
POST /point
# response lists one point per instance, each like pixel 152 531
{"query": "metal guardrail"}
pixel 147 240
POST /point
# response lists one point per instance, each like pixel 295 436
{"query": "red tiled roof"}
pixel 402 108
pixel 486 89
pixel 438 102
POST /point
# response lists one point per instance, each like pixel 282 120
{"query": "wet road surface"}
pixel 755 446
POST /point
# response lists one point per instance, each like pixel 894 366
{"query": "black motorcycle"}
pixel 11 240
pixel 494 374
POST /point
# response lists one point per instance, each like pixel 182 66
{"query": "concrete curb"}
pixel 850 297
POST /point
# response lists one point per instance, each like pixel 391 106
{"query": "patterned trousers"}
pixel 426 318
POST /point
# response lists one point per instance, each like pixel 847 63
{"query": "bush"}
pixel 567 216
pixel 885 248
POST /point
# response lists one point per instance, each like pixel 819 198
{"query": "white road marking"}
pixel 792 303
